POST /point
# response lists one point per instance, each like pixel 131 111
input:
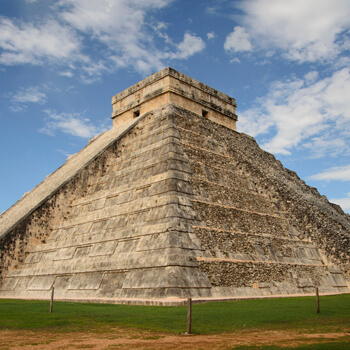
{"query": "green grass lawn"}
pixel 211 318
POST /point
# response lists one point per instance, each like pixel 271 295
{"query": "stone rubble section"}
pixel 263 229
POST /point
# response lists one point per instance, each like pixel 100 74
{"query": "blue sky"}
pixel 285 62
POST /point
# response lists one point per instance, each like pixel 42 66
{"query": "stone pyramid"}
pixel 172 202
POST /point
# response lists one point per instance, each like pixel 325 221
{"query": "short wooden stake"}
pixel 317 301
pixel 51 301
pixel 189 315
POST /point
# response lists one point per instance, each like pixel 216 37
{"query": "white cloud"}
pixel 93 71
pixel 17 108
pixel 65 153
pixel 105 18
pixel 342 62
pixel 211 35
pixel 33 94
pixel 120 25
pixel 67 74
pixel 120 33
pixel 340 173
pixel 123 26
pixel 309 30
pixel 296 112
pixel 238 41
pixel 235 60
pixel 190 45
pixel 329 143
pixel 343 202
pixel 70 123
pixel 36 43
pixel 311 77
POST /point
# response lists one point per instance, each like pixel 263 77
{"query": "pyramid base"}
pixel 177 296
pixel 172 301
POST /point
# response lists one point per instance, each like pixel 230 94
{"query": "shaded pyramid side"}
pixel 121 228
pixel 263 229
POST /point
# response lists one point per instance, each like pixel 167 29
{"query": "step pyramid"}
pixel 172 202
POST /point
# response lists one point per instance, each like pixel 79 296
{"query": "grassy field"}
pixel 265 315
pixel 210 318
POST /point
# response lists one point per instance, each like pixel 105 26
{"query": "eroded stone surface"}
pixel 262 225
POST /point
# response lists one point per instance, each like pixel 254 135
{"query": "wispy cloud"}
pixel 32 94
pixel 30 43
pixel 70 123
pixel 76 30
pixel 123 26
pixel 17 108
pixel 341 173
pixel 66 73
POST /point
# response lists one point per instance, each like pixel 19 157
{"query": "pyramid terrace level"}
pixel 170 86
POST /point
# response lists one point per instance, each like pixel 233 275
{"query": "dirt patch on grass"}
pixel 119 338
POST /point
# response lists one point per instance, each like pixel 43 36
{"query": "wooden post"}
pixel 317 301
pixel 51 301
pixel 189 315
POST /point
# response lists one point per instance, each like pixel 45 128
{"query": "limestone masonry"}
pixel 172 202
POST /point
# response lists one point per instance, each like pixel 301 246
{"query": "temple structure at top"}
pixel 170 86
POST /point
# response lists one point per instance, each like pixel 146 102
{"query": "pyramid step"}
pixel 163 132
pixel 258 262
pixel 266 235
pixel 142 170
pixel 155 150
pixel 246 246
pixel 224 195
pixel 119 260
pixel 233 273
pixel 176 204
pixel 169 185
pixel 223 176
pixel 138 185
pixel 208 157
pixel 209 144
pixel 235 219
pixel 107 242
